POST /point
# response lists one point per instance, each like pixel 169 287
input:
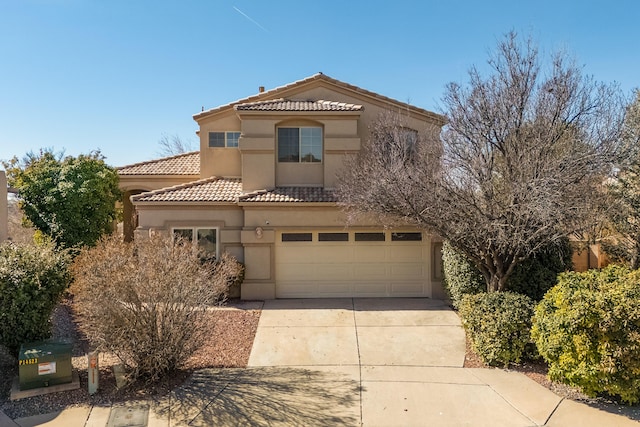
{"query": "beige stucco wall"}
pixel 223 162
pixel 227 218
pixel 260 168
pixel 256 159
pixel 4 208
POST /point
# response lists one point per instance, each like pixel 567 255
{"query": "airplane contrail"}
pixel 250 19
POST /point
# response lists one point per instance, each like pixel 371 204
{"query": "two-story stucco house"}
pixel 260 187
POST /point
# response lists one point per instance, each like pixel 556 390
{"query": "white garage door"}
pixel 312 264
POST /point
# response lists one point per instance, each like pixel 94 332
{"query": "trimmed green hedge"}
pixel 498 325
pixel 587 328
pixel 460 276
pixel 32 281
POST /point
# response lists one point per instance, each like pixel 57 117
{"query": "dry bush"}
pixel 147 301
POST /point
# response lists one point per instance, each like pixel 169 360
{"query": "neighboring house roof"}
pixel 181 164
pixel 212 189
pixel 282 91
pixel 291 195
pixel 297 105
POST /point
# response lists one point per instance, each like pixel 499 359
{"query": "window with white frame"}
pixel 205 238
pixel 224 139
pixel 300 144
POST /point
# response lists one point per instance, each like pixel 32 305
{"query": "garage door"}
pixel 312 264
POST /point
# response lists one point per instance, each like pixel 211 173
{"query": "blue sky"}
pixel 81 75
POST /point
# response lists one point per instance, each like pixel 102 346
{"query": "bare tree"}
pixel 624 212
pixel 170 145
pixel 515 167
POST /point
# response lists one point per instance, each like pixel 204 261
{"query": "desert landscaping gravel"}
pixel 233 329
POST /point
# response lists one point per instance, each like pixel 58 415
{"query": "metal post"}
pixel 93 371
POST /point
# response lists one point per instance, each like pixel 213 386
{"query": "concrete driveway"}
pixel 396 362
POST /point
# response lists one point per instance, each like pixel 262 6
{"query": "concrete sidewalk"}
pixel 352 362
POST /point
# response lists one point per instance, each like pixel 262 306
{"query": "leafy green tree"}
pixel 70 199
pixel 32 280
pixel 624 214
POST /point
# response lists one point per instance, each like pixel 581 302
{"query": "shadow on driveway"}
pixel 264 396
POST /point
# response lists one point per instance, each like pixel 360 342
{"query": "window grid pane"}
pixel 288 145
pixel 333 237
pixel 183 233
pixel 300 145
pixel 369 237
pixel 207 239
pixel 216 139
pixel 232 139
pixel 296 237
pixel 406 237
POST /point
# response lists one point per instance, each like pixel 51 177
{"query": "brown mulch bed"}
pixel 233 329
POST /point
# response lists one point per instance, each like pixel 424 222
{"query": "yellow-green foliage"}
pixel 498 325
pixel 588 329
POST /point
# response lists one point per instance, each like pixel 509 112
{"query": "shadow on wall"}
pixel 265 396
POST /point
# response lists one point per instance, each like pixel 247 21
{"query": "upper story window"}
pixel 224 139
pixel 300 144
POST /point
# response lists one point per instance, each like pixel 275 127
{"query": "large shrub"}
pixel 588 330
pixel 147 301
pixel 460 276
pixel 72 200
pixel 536 275
pixel 498 325
pixel 32 281
pixel 532 277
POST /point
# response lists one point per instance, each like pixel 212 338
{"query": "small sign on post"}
pixel 93 371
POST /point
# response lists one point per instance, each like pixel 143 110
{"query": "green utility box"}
pixel 44 363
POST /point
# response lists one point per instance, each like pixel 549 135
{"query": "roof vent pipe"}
pixel 261 89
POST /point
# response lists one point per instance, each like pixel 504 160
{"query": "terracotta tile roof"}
pixel 297 105
pixel 282 91
pixel 181 164
pixel 291 195
pixel 212 189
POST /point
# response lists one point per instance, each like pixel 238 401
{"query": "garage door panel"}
pixel 406 288
pixel 407 270
pixel 322 269
pixel 332 272
pixel 368 253
pixel 333 253
pixel 335 289
pixel 366 289
pixel 370 271
pixel 406 253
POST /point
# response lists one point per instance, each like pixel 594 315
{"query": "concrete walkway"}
pixel 352 362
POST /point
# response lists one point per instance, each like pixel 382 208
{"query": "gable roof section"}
pixel 181 164
pixel 291 195
pixel 211 189
pixel 290 89
pixel 297 105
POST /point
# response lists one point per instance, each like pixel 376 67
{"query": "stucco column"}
pixel 4 208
